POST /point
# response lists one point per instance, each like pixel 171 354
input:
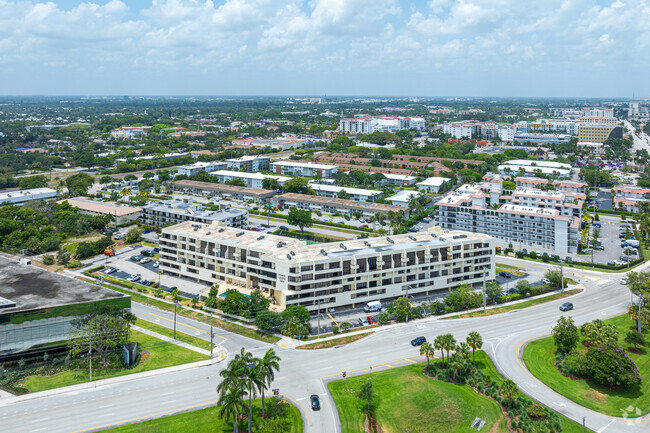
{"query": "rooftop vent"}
pixel 221 230
pixel 411 237
pixel 366 243
pixel 342 245
pixel 239 234
pixel 323 252
pixel 390 240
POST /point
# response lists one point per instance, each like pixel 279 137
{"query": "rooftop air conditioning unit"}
pixel 343 246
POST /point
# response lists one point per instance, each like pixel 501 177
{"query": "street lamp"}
pixel 561 275
pixel 407 301
pixel 175 305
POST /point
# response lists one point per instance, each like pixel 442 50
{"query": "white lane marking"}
pixel 602 429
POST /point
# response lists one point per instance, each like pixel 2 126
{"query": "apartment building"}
pixel 432 184
pixel 399 179
pixel 530 182
pixel 537 138
pixel 370 124
pixel 403 198
pixel 529 168
pixel 198 167
pixel 333 205
pixel 630 197
pixel 121 214
pixel 308 169
pixel 597 112
pixel 23 196
pixel 171 212
pixel 252 180
pixel 284 143
pixel 526 217
pixel 471 128
pixel 328 275
pixel 344 160
pixel 217 190
pixel 598 133
pixel 249 163
pixel 356 194
pixel 573 186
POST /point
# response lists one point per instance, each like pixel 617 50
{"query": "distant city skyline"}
pixel 555 48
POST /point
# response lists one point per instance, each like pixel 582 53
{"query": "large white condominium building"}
pixel 298 168
pixel 370 124
pixel 357 194
pixel 597 112
pixel 252 180
pixel 471 129
pixel 526 217
pixel 345 274
pixel 161 213
pixel 530 168
pixel 249 163
pixel 198 167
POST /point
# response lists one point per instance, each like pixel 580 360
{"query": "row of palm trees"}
pixel 447 343
pixel 245 375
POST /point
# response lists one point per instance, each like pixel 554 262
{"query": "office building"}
pixel 252 180
pixel 525 217
pixel 37 308
pixel 356 194
pixel 121 214
pixel 370 124
pixel 219 191
pixel 198 167
pixel 249 163
pixel 25 195
pixel 328 275
pixel 298 168
pixel 598 133
pixel 597 112
pixel 530 168
pixel 164 213
pixel 333 205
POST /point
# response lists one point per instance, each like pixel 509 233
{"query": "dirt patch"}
pixel 596 395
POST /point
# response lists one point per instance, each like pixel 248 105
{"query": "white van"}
pixel 372 306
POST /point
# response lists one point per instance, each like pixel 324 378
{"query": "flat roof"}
pixel 435 237
pixel 221 187
pixel 403 195
pixel 305 164
pixel 335 201
pixel 397 176
pixel 105 208
pixel 247 175
pixel 194 209
pixel 529 163
pixel 334 188
pixel 31 288
pixel 434 181
pixel 25 193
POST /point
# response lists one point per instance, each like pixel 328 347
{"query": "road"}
pixel 307 372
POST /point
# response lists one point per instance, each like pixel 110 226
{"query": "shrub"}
pixel 635 338
pixel 536 411
pixel 335 329
pixel 48 259
pixel 611 366
pixel 574 363
pixel 431 370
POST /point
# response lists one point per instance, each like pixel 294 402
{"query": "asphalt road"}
pixel 307 372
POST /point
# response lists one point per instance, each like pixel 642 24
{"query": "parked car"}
pixel 156 250
pixel 315 402
pixel 145 260
pixel 136 258
pixel 255 229
pixel 624 281
pixel 567 306
pixel 347 218
pixel 156 264
pixel 148 253
pixel 146 283
pixel 119 236
pixel 546 281
pixel 285 228
pixel 134 278
pixel 110 270
pixel 371 320
pixel 413 230
pixel 505 274
pixel 109 252
pixel 364 226
pixel 596 225
pixel 418 341
pixel 363 322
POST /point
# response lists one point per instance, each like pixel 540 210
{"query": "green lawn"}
pixel 406 400
pixel 539 356
pixel 180 336
pixel 205 420
pixel 161 354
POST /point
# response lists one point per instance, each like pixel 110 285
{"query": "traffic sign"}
pixel 344 375
pixel 276 391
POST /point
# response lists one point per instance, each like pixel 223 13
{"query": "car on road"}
pixel 110 270
pixel 371 320
pixel 285 228
pixel 567 306
pixel 364 226
pixel 505 274
pixel 136 258
pixel 624 281
pixel 363 322
pixel 134 278
pixel 145 260
pixel 315 402
pixel 418 341
pixel 546 281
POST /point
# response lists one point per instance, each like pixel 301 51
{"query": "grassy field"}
pixel 205 420
pixel 180 336
pixel 161 354
pixel 406 400
pixel 539 356
pixel 514 270
pixel 334 342
pixel 519 306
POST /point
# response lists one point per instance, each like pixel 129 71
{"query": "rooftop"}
pixel 336 189
pixel 194 209
pixel 99 207
pixel 404 195
pixel 434 181
pixel 333 201
pixel 32 288
pixel 304 164
pixel 221 187
pixel 294 251
pixel 25 193
pixel 246 175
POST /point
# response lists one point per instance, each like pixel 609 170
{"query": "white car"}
pixel 119 236
pixel 156 264
pixel 145 260
pixel 546 281
pixel 624 281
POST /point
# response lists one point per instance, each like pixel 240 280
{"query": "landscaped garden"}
pixel 444 395
pixel 603 366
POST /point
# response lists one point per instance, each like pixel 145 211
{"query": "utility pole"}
pixel 211 337
pixel 407 301
pixel 484 293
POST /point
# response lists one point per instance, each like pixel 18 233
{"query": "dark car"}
pixel 285 228
pixel 136 258
pixel 156 250
pixel 148 253
pixel 419 341
pixel 315 402
pixel 566 306
pixel 505 274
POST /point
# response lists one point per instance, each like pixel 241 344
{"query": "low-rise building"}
pixel 403 198
pixel 37 308
pixel 283 143
pixel 198 167
pixel 218 190
pixel 432 185
pixel 249 163
pixel 164 213
pixel 121 214
pixel 399 179
pixel 574 186
pixel 630 197
pixel 535 137
pixel 530 168
pixel 25 195
pixel 356 194
pixel 332 275
pixel 298 168
pixel 336 205
pixel 252 180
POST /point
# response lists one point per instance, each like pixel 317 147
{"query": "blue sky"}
pixel 326 47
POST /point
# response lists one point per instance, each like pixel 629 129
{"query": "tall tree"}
pixel 300 218
pixel 474 341
pixel 367 393
pixel 269 364
pixel 427 350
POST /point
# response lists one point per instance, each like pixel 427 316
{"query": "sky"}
pixel 526 48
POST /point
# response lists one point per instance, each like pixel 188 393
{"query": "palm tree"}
pixel 427 350
pixel 230 402
pixel 449 344
pixel 474 341
pixel 268 364
pixel 126 192
pixel 456 364
pixel 438 344
pixel 253 380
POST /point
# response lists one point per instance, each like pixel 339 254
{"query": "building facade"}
pixel 164 213
pixel 330 205
pixel 370 124
pixel 249 163
pixel 217 190
pixel 198 167
pixel 629 198
pixel 252 180
pixel 309 169
pixel 598 133
pixel 356 194
pixel 330 275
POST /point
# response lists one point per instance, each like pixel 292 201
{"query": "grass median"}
pixel 160 355
pixel 180 336
pixel 208 420
pixel 539 356
pixel 335 342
